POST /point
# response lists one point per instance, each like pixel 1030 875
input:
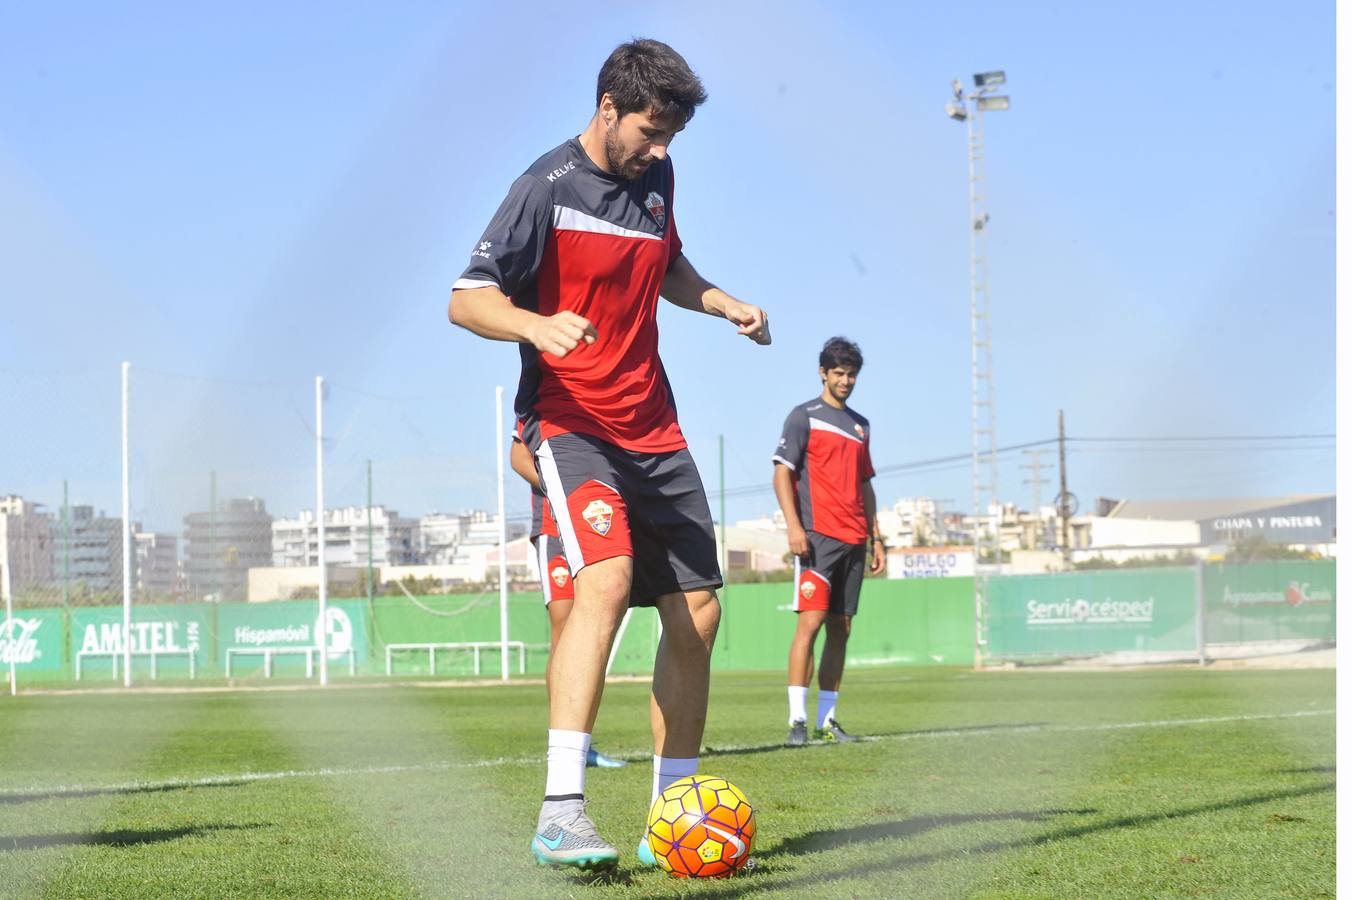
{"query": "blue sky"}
pixel 254 195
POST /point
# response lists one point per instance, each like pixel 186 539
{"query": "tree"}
pixel 1255 547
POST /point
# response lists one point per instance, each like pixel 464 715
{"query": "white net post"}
pixel 126 524
pixel 322 629
pixel 502 537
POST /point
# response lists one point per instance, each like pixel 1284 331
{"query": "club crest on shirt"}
pixel 597 514
pixel 859 429
pixel 657 207
pixel 807 589
pixel 559 575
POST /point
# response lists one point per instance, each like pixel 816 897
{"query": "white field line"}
pixel 55 791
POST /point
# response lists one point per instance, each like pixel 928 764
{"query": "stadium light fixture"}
pixel 986 516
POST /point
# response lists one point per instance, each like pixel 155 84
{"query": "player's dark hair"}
pixel 839 351
pixel 645 74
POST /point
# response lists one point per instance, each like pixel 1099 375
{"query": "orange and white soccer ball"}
pixel 701 827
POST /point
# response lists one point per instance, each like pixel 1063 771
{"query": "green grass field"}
pixel 1017 784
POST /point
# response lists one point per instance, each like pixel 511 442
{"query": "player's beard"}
pixel 625 167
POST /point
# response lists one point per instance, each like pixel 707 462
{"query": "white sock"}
pixel 667 769
pixel 567 759
pixel 797 704
pixel 826 706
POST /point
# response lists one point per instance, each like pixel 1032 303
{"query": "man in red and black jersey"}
pixel 822 482
pixel 571 267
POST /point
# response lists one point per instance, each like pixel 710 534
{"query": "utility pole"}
pixel 1064 498
pixel 1036 465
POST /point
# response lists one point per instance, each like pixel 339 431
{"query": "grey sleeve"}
pixel 509 253
pixel 793 441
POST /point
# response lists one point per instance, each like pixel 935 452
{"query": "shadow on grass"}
pixel 757 882
pixel 1308 770
pixel 815 841
pixel 123 838
pixel 960 729
pixel 867 738
pixel 78 793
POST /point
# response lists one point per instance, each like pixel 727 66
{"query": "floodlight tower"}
pixel 986 512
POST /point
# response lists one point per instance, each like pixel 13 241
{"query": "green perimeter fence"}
pixel 901 622
pixel 916 622
pixel 1166 612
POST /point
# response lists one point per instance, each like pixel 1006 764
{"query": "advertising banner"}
pixel 293 625
pixel 930 562
pixel 96 634
pixel 1089 613
pixel 1271 601
pixel 35 643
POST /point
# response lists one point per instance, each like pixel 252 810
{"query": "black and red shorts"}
pixel 831 576
pixel 556 579
pixel 648 506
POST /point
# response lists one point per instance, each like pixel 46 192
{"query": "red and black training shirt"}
pixel 570 236
pixel 827 450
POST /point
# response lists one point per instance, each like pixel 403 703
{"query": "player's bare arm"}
pixel 488 312
pixel 686 288
pixel 877 549
pixel 523 464
pixel 788 504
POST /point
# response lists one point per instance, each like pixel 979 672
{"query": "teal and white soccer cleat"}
pixel 645 853
pixel 597 759
pixel 834 734
pixel 566 836
pixel 797 733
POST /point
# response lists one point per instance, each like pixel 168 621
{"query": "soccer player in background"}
pixel 571 267
pixel 822 481
pixel 556 582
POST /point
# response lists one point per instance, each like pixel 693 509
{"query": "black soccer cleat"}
pixel 797 733
pixel 833 733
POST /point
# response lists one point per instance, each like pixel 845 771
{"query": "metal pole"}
pixel 211 543
pixel 1065 497
pixel 126 525
pixel 502 540
pixel 65 543
pixel 370 541
pixel 322 629
pixel 1199 596
pixel 722 512
pixel 10 649
pixel 978 514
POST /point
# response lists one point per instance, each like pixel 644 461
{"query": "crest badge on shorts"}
pixel 597 514
pixel 657 207
pixel 559 575
pixel 807 589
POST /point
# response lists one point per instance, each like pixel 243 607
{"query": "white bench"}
pixel 476 646
pixel 154 655
pixel 270 653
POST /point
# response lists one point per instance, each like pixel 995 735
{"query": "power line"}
pixel 936 463
pixel 1242 437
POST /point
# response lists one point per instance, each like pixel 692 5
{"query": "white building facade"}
pixel 350 538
